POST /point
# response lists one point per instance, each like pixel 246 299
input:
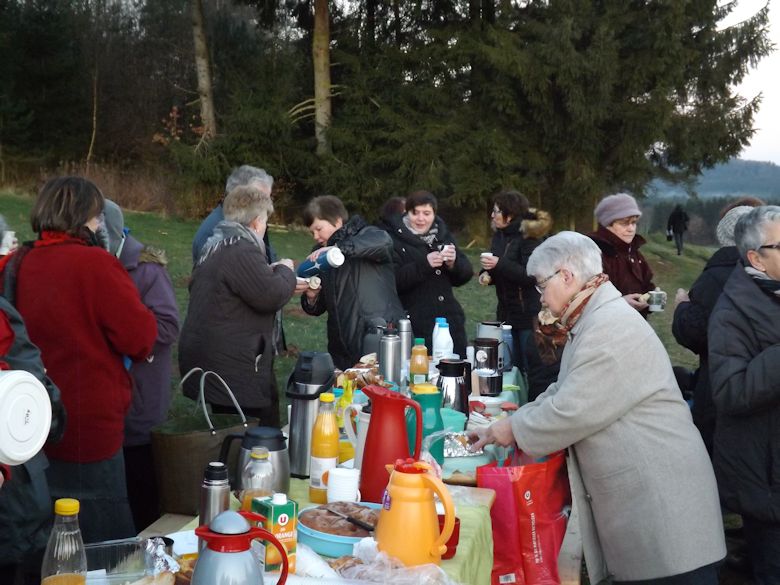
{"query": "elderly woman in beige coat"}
pixel 640 475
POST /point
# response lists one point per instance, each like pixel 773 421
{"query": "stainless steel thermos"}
pixel 405 333
pixel 390 355
pixel 214 492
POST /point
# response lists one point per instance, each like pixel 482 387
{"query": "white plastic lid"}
pixel 279 499
pixel 25 416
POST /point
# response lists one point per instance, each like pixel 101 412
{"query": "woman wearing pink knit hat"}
pixel 616 236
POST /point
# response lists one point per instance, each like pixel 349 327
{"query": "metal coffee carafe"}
pixel 454 382
pixel 269 437
pixel 313 375
pixel 489 376
pixel 227 557
pixel 390 355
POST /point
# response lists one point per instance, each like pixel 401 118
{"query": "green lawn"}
pixel 308 333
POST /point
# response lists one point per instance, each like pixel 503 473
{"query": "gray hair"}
pixel 245 203
pixel 750 230
pixel 569 250
pixel 246 175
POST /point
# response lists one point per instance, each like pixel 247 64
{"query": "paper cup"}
pixel 343 485
pixel 25 416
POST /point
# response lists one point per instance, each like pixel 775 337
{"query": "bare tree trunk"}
pixel 91 149
pixel 370 23
pixel 397 22
pixel 203 69
pixel 321 58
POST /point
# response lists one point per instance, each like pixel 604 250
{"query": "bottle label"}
pixel 319 465
pixel 419 378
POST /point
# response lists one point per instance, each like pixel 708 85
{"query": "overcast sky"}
pixel 764 79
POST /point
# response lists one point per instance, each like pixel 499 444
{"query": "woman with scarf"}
pixel 616 236
pixel 744 350
pixel 639 473
pixel 84 313
pixel 234 296
pixel 427 268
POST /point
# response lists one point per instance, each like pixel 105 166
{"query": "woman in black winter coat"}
pixel 427 267
pixel 518 231
pixel 744 350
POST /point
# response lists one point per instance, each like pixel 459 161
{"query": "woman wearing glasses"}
pixel 640 476
pixel 628 270
pixel 744 350
pixel 518 230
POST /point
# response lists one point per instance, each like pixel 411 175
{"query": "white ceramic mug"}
pixel 358 439
pixel 343 484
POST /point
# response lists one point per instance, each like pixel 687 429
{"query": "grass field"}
pixel 308 333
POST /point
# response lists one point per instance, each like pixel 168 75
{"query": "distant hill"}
pixel 737 177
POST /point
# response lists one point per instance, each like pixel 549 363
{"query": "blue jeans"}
pixel 763 541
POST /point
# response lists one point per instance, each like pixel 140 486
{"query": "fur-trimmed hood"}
pixel 537 224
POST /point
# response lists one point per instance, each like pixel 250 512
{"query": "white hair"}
pixel 750 231
pixel 570 250
pixel 246 175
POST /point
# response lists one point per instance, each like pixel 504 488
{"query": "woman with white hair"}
pixel 639 472
pixel 744 352
pixel 234 296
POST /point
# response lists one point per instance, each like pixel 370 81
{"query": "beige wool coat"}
pixel 638 468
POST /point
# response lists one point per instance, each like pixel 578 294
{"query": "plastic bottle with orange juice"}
pixel 257 477
pixel 324 448
pixel 418 363
pixel 65 559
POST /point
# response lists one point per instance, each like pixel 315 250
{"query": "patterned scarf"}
pixel 766 284
pixel 553 332
pixel 227 233
pixel 429 237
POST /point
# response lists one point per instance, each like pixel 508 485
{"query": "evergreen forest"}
pixel 565 100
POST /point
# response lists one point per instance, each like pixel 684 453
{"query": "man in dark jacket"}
pixel 744 352
pixel 691 318
pixel 677 225
pixel 427 267
pixel 361 293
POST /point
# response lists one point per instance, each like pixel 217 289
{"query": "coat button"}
pixel 589 497
pixel 438 272
pixel 441 298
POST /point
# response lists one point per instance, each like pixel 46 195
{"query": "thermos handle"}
pixel 439 547
pixel 225 449
pixel 418 427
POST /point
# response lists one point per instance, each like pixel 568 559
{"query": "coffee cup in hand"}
pixel 656 300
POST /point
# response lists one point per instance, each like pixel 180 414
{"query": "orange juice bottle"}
pixel 418 363
pixel 324 448
pixel 65 560
pixel 257 477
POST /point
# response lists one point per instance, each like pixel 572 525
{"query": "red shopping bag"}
pixel 528 518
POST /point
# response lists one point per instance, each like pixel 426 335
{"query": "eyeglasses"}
pixel 542 284
pixel 496 211
pixel 627 221
pixel 770 246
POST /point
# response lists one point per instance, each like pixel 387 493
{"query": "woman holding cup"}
pixel 518 230
pixel 427 267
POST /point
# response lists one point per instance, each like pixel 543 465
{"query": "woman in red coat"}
pixel 619 243
pixel 84 313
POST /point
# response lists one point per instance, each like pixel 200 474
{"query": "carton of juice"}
pixel 282 522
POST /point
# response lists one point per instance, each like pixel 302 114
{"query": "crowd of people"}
pixel 91 312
